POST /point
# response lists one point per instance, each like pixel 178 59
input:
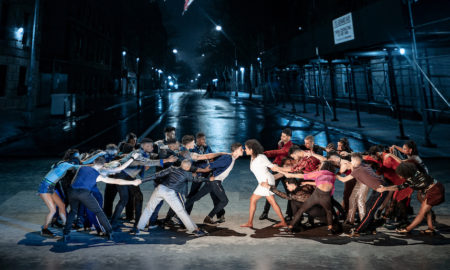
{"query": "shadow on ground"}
pixel 320 234
pixel 84 240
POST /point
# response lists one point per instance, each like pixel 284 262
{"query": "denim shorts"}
pixel 46 187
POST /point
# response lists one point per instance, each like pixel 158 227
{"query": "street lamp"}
pixel 203 55
pixel 218 28
pixel 137 81
pixel 175 51
pixel 402 51
pixel 198 75
pixel 124 53
pixel 19 33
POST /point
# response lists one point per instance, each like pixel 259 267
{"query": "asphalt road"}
pixel 224 120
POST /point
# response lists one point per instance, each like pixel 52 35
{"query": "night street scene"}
pixel 224 134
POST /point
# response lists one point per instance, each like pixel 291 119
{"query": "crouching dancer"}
pixel 324 181
pixel 167 190
pixel 80 192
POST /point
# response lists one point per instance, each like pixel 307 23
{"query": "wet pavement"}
pixel 224 120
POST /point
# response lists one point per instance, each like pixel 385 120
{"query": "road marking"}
pixel 113 126
pixel 146 132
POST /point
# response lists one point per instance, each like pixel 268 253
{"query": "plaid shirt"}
pixel 306 165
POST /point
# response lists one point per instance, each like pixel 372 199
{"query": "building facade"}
pixel 16 23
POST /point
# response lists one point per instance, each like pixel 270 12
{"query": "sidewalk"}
pixel 376 128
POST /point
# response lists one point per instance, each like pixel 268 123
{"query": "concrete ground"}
pixel 228 246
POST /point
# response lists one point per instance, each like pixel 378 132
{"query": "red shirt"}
pixel 279 154
pixel 306 165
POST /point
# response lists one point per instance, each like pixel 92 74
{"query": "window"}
pixel 3 21
pixel 3 69
pixel 21 87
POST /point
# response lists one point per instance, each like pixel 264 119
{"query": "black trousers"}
pixel 110 195
pixel 374 202
pixel 85 197
pixel 288 207
pixel 318 197
pixel 195 187
pixel 137 199
pixel 129 208
pixel 212 187
pixel 314 212
pixel 123 193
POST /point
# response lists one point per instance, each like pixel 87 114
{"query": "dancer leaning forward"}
pixel 173 181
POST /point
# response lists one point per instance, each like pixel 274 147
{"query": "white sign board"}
pixel 343 29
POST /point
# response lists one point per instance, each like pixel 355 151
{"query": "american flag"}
pixel 187 3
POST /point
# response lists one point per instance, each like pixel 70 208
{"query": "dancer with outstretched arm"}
pixel 260 166
pixel 167 190
pixel 80 192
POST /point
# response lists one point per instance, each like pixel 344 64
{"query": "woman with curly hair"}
pixel 260 166
pixel 431 193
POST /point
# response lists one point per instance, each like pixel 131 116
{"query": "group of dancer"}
pixel 308 173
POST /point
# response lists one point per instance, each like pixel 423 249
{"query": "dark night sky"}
pixel 185 31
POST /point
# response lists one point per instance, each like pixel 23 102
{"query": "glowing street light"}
pixel 124 53
pixel 402 51
pixel 218 28
pixel 19 33
pixel 242 69
pixel 175 51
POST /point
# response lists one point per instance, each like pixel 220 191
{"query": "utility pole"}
pixel 421 86
pixel 32 68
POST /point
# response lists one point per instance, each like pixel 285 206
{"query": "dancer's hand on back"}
pixel 265 184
